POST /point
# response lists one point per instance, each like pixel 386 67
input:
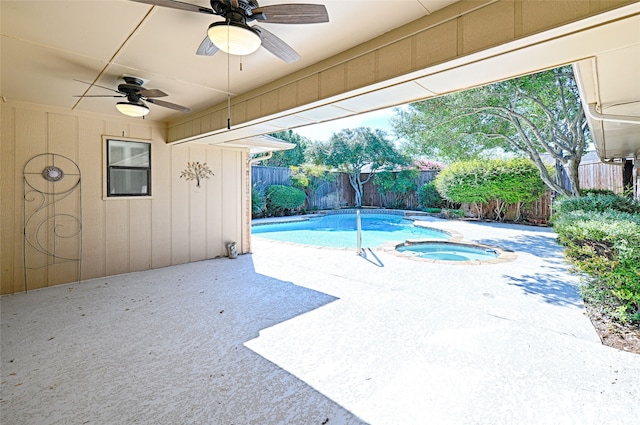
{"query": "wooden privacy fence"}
pixel 336 193
pixel 330 193
pixel 262 176
pixel 371 196
pixel 598 175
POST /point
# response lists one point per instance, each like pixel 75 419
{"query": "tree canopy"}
pixel 291 157
pixel 532 115
pixel 354 151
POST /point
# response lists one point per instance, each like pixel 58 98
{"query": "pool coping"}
pixel 408 214
pixel 455 237
pixel 504 256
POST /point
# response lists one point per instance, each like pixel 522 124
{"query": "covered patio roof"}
pixel 363 59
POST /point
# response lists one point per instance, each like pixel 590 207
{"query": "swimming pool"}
pixel 339 230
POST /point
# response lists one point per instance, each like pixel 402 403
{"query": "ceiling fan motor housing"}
pixel 133 80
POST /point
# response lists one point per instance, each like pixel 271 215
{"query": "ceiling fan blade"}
pixel 292 13
pixel 152 93
pixel 206 48
pixel 169 105
pixel 178 5
pixel 96 85
pixel 277 46
pixel 98 95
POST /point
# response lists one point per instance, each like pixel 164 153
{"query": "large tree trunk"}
pixel 555 183
pixel 356 184
pixel 572 172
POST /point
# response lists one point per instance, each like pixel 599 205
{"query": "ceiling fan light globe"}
pixel 235 39
pixel 132 109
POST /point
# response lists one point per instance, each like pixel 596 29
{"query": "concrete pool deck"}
pixel 300 335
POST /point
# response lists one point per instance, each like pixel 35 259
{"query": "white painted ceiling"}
pixel 46 45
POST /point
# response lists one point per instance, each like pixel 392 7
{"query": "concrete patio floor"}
pixel 301 335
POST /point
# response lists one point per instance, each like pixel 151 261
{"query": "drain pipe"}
pixel 594 114
pixel 260 158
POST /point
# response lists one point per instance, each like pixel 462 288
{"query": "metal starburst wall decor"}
pixel 196 171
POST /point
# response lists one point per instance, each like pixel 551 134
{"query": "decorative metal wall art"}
pixel 196 171
pixel 52 220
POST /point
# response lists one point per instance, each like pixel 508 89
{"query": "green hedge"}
pixel 258 202
pixel 596 202
pixel 428 197
pixel 606 246
pixel 282 200
pixel 505 182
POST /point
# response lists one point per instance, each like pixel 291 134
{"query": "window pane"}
pixel 128 154
pixel 128 182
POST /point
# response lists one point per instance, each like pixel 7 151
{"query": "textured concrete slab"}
pixel 298 335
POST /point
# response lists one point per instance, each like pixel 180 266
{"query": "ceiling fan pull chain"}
pixel 228 112
pixel 228 88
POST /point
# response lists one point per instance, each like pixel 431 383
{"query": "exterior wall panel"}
pixel 179 223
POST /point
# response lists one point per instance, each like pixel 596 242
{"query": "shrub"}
pixel 590 192
pixel 462 182
pixel 596 202
pixel 428 197
pixel 513 182
pixel 257 202
pixel 505 182
pixel 282 200
pixel 606 245
pixel 453 213
pixel 309 178
pixel 396 188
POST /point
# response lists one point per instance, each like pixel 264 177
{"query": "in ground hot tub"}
pixel 454 252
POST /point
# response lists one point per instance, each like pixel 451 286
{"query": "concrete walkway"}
pixel 299 335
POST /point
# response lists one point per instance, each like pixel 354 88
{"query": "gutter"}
pixel 260 158
pixel 594 114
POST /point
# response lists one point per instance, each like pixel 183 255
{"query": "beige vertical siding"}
pixel 180 223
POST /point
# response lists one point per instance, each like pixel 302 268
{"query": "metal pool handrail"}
pixel 359 227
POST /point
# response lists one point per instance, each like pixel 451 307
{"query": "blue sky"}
pixel 376 119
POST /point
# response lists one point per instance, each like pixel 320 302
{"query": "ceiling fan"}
pixel 135 93
pixel 236 37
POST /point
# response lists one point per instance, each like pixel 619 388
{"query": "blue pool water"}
pixel 449 252
pixel 339 231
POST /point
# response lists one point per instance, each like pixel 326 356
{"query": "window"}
pixel 128 168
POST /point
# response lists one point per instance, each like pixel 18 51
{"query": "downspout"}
pixel 260 158
pixel 594 114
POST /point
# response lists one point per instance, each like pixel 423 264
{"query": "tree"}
pixel 351 150
pixel 533 115
pixel 309 178
pixel 396 188
pixel 289 157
